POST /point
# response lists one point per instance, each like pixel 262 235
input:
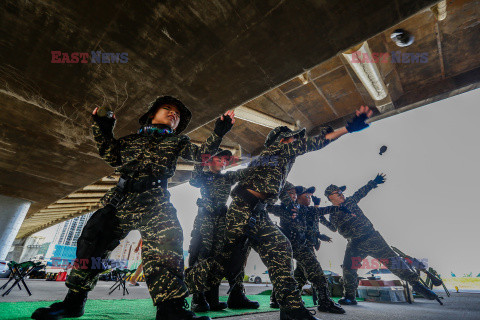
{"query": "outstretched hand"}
pixel 224 123
pixel 358 122
pixel 316 200
pixel 380 178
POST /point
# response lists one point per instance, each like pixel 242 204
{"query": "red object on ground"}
pixel 62 276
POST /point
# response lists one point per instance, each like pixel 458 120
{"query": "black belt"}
pixel 144 184
pixel 130 185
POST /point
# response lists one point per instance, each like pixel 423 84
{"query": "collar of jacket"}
pixel 155 130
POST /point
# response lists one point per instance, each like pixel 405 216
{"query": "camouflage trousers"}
pixel 266 239
pixel 309 268
pixel 208 240
pixel 376 247
pixel 154 216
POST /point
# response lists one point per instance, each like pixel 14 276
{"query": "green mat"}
pixel 138 309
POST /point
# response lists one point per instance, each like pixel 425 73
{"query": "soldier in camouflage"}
pixel 297 222
pixel 248 219
pixel 140 201
pixel 209 231
pixel 364 240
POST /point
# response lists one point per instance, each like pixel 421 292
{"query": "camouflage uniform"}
pixel 248 219
pixel 208 235
pixel 303 235
pixel 140 156
pixel 363 241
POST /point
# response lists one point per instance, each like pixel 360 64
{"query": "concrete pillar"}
pixel 12 214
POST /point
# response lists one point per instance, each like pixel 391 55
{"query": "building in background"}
pixel 62 249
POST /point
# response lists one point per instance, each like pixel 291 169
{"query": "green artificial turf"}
pixel 125 309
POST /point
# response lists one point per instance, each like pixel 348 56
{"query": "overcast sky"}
pixel 427 208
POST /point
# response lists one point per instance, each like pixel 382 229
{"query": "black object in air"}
pixel 402 38
pixel 383 149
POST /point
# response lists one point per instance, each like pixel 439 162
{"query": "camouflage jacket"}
pixel 305 227
pixel 141 155
pixel 353 224
pixel 215 187
pixel 271 167
pixel 313 217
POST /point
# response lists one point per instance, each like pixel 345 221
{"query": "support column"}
pixel 12 214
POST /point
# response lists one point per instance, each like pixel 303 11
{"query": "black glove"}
pixel 106 124
pixel 316 200
pixel 357 123
pixel 324 237
pixel 379 179
pixel 223 126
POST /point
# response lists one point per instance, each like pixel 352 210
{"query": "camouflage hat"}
pixel 185 114
pixel 288 186
pixel 333 188
pixel 223 153
pixel 282 132
pixel 301 190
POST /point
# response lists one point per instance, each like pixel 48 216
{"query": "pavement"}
pixel 463 305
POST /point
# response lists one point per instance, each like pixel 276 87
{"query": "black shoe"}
pixel 325 303
pixel 348 301
pixel 297 314
pixel 176 309
pixel 273 301
pixel 330 306
pixel 213 301
pixel 424 291
pixel 73 306
pixel 199 303
pixel 238 300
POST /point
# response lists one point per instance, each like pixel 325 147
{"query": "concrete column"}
pixel 12 214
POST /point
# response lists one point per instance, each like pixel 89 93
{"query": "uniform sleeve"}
pixel 278 211
pixel 308 144
pixel 320 212
pixel 192 152
pixel 363 191
pixel 235 176
pixel 197 176
pixel 108 147
pixel 284 196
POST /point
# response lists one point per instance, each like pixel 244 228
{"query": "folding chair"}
pixel 121 275
pixel 19 271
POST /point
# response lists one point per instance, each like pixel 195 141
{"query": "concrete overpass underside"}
pixel 277 62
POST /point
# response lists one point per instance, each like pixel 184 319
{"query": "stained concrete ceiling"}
pixel 214 56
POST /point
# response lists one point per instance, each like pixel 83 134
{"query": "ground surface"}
pixel 17 305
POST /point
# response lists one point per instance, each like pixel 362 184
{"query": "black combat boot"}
pixel 73 306
pixel 176 309
pixel 199 303
pixel 212 299
pixel 348 301
pixel 273 301
pixel 297 314
pixel 325 304
pixel 238 300
pixel 424 291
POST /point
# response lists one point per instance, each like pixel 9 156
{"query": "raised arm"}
pixel 197 175
pixel 235 176
pixel 327 134
pixel 372 184
pixel 192 152
pixel 108 146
